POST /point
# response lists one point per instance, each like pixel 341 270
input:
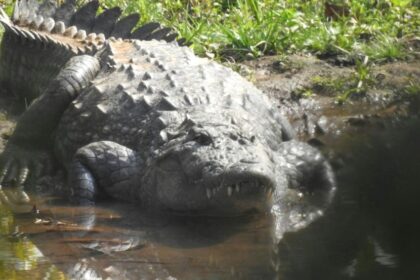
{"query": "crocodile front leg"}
pixel 28 152
pixel 103 169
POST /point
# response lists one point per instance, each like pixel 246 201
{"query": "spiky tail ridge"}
pixel 50 17
pixel 41 37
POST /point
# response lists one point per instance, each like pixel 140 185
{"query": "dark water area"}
pixel 370 231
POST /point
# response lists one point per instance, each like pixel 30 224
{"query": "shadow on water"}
pixel 369 232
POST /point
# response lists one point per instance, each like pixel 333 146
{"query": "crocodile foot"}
pixel 103 169
pixel 19 165
pixel 16 200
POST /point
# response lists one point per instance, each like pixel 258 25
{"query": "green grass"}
pixel 344 87
pixel 232 30
pixel 250 28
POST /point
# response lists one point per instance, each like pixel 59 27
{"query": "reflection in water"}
pixel 126 242
pixel 370 231
pixel 118 241
pixel 19 257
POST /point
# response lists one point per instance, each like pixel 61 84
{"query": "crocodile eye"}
pixel 201 137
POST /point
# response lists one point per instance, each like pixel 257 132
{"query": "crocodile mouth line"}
pixel 235 189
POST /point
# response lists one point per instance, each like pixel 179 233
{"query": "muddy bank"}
pixel 310 92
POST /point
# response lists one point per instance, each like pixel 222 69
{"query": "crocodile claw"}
pixel 16 200
pixel 19 165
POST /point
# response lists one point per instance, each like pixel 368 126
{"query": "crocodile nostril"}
pixel 200 136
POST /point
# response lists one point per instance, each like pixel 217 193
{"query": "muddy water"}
pixel 370 230
pixel 121 242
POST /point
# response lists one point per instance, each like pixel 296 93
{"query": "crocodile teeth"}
pixel 229 191
pixel 237 187
pixel 208 192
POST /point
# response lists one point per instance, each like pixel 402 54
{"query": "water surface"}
pixel 370 231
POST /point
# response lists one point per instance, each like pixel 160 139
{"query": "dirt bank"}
pixel 324 100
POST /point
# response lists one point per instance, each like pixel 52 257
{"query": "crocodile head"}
pixel 215 168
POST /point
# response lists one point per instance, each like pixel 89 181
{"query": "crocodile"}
pixel 142 119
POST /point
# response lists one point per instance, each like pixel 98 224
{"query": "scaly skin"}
pixel 160 127
pixel 40 39
pixel 26 71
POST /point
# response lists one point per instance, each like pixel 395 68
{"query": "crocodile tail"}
pixel 41 37
pixel 86 20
